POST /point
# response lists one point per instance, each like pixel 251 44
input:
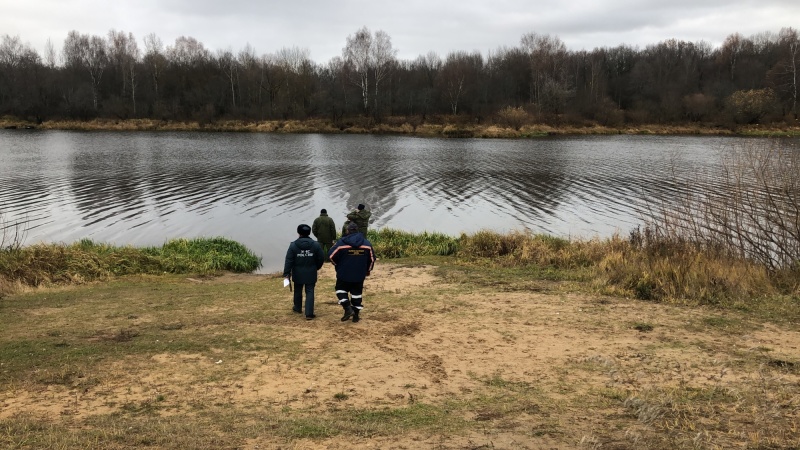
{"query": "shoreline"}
pixel 398 126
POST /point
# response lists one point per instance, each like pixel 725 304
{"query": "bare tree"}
pixel 230 67
pixel 154 59
pixel 11 50
pixel 382 55
pixel 457 75
pixel 268 81
pixel 292 65
pixel 49 54
pixel 784 75
pixel 17 62
pixel 548 56
pixel 731 50
pixel 249 69
pixel 369 57
pixel 356 55
pixel 187 52
pixel 427 68
pixel 334 72
pixel 124 55
pixel 89 53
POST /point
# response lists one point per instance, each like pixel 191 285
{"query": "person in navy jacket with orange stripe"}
pixel 354 259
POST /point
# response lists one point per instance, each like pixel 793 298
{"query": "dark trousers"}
pixel 326 247
pixel 350 293
pixel 298 298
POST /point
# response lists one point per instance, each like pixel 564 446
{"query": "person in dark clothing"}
pixel 354 259
pixel 324 230
pixel 303 259
pixel 360 216
pixel 344 229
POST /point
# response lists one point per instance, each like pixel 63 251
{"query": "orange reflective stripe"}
pixel 337 251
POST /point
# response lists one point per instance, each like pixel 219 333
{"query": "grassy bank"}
pixel 660 270
pixel 87 261
pixel 445 127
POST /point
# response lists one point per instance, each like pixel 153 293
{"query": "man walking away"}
pixel 324 230
pixel 303 259
pixel 354 259
pixel 360 216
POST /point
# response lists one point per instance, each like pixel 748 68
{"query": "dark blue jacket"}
pixel 303 259
pixel 353 257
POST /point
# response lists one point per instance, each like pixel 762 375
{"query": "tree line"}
pixel 746 80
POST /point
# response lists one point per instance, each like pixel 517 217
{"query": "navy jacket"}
pixel 353 257
pixel 303 259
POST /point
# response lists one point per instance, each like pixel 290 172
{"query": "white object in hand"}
pixel 285 282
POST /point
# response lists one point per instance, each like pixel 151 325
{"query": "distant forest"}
pixel 746 80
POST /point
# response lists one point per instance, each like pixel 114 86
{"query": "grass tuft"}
pixel 86 261
pixel 391 243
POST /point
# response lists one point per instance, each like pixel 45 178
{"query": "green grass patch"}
pixel 86 260
pixel 391 243
pixel 644 266
pixel 642 327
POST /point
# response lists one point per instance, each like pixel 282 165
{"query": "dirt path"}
pixel 422 342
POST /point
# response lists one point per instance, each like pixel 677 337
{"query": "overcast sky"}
pixel 416 27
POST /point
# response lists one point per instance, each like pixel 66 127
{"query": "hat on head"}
pixel 352 227
pixel 360 206
pixel 303 229
pixel 324 211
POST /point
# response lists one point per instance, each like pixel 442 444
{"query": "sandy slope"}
pixel 450 344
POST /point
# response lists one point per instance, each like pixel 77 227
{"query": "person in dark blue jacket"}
pixel 303 259
pixel 354 259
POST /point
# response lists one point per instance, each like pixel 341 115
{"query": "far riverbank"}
pixel 399 125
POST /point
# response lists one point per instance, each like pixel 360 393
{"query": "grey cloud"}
pixel 415 26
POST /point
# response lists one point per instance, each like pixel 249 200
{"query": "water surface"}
pixel 143 188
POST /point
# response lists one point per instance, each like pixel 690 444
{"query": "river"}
pixel 143 188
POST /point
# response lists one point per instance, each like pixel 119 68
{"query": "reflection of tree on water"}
pixel 25 199
pixel 524 185
pixel 385 172
pixel 367 170
pixel 186 172
pixel 105 183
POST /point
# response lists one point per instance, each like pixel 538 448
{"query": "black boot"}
pixel 348 311
pixel 355 315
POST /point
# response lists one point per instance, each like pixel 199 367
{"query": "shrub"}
pixel 513 117
pixel 751 106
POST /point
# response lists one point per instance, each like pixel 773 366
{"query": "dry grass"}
pixel 440 127
pixel 87 261
pixel 659 270
pixel 170 362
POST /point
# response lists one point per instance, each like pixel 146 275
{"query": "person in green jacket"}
pixel 360 216
pixel 324 230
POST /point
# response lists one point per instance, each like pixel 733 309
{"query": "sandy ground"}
pixel 565 345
